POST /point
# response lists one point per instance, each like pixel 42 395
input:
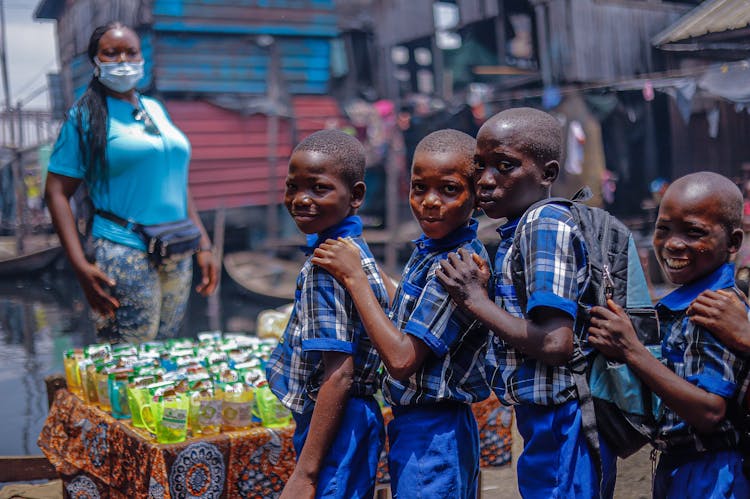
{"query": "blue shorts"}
pixel 706 475
pixel 434 451
pixel 556 462
pixel 351 464
pixel 152 299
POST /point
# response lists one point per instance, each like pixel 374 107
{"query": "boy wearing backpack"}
pixel 517 155
pixel 701 382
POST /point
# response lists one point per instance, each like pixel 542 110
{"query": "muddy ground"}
pixel 633 479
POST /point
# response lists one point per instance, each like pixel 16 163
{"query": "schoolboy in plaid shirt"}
pixel 325 367
pixel 700 381
pixel 517 156
pixel 432 351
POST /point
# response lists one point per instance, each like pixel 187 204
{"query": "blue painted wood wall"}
pixel 210 46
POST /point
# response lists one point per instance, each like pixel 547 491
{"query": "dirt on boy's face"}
pixel 690 239
pixel 508 179
pixel 441 195
pixel 316 196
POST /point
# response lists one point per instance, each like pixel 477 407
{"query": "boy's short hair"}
pixel 346 151
pixel 540 134
pixel 722 190
pixel 450 141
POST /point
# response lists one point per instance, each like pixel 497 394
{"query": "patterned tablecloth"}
pixel 101 457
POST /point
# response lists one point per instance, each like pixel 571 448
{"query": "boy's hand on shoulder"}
pixel 612 333
pixel 298 487
pixel 724 314
pixel 341 258
pixel 465 276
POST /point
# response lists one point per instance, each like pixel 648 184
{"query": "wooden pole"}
pixel 272 92
pixel 214 303
pixel 20 183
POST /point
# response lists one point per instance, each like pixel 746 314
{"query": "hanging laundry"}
pixel 713 122
pixel 576 141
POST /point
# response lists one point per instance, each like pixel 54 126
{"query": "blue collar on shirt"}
pixel 348 227
pixel 682 297
pixel 461 235
pixel 508 229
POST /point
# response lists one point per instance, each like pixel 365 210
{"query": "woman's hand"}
pixel 465 276
pixel 612 333
pixel 207 264
pixel 341 258
pixel 94 282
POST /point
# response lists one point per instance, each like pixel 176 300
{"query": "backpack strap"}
pixel 579 365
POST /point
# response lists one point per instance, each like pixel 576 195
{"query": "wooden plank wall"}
pixel 401 21
pixel 211 46
pixel 593 41
pixel 229 166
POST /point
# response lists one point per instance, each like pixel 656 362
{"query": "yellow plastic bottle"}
pixel 236 406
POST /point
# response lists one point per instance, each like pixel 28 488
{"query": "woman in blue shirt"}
pixel 134 161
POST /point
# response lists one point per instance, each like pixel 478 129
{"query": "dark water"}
pixel 44 315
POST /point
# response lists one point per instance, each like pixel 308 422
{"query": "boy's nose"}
pixel 674 244
pixel 302 199
pixel 486 180
pixel 431 199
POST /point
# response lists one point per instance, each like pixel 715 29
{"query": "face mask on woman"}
pixel 118 76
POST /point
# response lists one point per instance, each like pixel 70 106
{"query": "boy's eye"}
pixel 417 187
pixel 450 189
pixel 321 188
pixel 505 166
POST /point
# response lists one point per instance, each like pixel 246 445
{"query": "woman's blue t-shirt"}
pixel 148 173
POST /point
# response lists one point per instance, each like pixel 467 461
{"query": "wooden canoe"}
pixel 267 279
pixel 40 250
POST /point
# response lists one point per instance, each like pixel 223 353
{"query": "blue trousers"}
pixel 707 475
pixel 351 464
pixel 434 452
pixel 556 462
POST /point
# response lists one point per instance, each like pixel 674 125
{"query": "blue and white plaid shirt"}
pixel 324 318
pixel 554 257
pixel 695 355
pixel 423 308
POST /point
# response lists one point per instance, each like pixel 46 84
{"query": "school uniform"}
pixel 433 438
pixel 694 465
pixel 555 461
pixel 324 318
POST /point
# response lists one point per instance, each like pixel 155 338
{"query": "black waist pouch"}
pixel 163 241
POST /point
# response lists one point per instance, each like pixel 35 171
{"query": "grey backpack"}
pixel 612 399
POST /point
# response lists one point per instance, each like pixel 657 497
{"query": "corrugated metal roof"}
pixel 48 9
pixel 712 16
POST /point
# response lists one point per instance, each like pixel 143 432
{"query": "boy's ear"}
pixel 550 170
pixel 735 240
pixel 358 194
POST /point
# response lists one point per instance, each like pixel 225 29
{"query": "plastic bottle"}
pixel 270 410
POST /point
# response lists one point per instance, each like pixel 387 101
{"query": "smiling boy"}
pixel 701 381
pixel 325 367
pixel 433 352
pixel 517 160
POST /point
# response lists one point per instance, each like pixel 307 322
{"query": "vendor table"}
pixel 98 456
